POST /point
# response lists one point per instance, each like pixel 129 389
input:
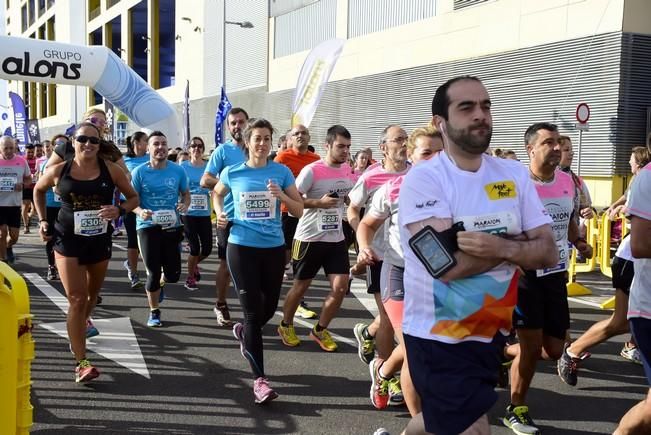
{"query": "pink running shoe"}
pixel 262 391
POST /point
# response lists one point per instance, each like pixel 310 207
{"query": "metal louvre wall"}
pixel 368 16
pixel 634 98
pixel 305 28
pixel 460 4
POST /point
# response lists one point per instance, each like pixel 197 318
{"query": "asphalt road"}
pixel 193 380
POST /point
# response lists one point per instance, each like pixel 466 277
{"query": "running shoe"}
pixel 365 346
pixel 197 274
pixel 191 283
pixel 396 398
pixel 304 312
pixel 85 372
pixel 154 319
pixel 26 230
pixel 99 300
pixel 11 257
pixel 117 232
pixel 518 420
pixel 568 367
pixel 631 353
pixel 52 273
pixel 381 431
pixel 223 314
pixel 135 282
pixel 323 339
pixel 238 333
pixel 91 330
pixel 288 335
pixel 262 391
pixel 379 387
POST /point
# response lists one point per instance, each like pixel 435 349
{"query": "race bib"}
pixel 563 260
pixel 88 223
pixel 198 202
pixel 164 218
pixel 257 206
pixel 8 183
pixel 329 219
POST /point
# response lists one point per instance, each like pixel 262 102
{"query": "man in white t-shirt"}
pixel 456 317
pixel 638 418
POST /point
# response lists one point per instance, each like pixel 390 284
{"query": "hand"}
pixel 222 220
pixel 367 256
pixel 584 249
pixel 42 230
pixel 109 212
pixel 480 244
pixel 274 189
pixel 587 213
pixel 18 187
pixel 181 207
pixel 327 202
pixel 145 214
pixel 614 212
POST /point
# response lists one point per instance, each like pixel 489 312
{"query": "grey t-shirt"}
pixel 12 172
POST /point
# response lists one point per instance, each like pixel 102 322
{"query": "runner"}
pixel 52 207
pixel 227 154
pixel 160 184
pixel 638 419
pixel 196 222
pixel 28 189
pixel 616 324
pixel 542 316
pixel 82 232
pixel 361 164
pixel 393 141
pixel 319 240
pixel 423 144
pixel 295 157
pixel 456 315
pixel 14 175
pixel 255 244
pixel 136 155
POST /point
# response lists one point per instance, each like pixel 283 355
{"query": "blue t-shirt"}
pixel 159 191
pixel 133 162
pixel 225 155
pixel 256 221
pixel 199 196
pixel 51 199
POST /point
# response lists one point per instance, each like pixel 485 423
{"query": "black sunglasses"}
pixel 196 145
pixel 83 139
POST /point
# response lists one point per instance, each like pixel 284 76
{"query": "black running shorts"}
pixel 309 257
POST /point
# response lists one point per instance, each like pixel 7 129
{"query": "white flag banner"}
pixel 313 78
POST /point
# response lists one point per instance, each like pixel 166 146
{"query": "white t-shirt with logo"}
pixel 500 199
pixel 314 181
pixel 639 204
pixel 384 205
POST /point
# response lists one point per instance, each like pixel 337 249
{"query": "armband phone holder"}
pixel 435 249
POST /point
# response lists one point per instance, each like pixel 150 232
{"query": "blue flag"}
pixel 7 132
pixel 20 120
pixel 224 107
pixel 186 115
pixel 70 130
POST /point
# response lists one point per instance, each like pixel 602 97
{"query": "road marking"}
pixel 120 247
pixel 116 341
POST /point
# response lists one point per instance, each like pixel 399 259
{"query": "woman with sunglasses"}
pixel 196 221
pixel 136 155
pixel 256 245
pixel 82 232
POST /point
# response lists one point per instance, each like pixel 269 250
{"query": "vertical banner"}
pixel 110 120
pixel 34 132
pixel 20 120
pixel 6 120
pixel 313 78
pixel 224 107
pixel 186 115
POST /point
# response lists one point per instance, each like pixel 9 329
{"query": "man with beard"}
pixel 458 312
pixel 542 315
pixel 227 154
pixel 319 239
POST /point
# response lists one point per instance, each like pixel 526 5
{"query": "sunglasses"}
pixel 83 139
pixel 196 145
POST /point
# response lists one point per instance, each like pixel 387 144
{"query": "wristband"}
pixel 42 220
pixel 579 239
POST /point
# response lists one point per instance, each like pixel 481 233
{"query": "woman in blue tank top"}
pixel 82 230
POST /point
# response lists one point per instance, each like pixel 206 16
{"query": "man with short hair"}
pixel 565 165
pixel 38 150
pixel 15 174
pixel 467 221
pixel 542 316
pixel 282 145
pixel 227 154
pixel 295 157
pixel 319 239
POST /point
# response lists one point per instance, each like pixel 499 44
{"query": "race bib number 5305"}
pixel 88 223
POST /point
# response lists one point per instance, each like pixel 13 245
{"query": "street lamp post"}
pixel 242 24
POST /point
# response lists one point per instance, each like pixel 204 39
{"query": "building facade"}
pixel 539 60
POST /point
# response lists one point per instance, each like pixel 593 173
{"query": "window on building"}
pixel 111 3
pixel 95 38
pixel 42 100
pixel 31 10
pixel 41 32
pixel 368 16
pixel 94 9
pixel 139 40
pixel 166 44
pixel 460 4
pixel 23 16
pixel 41 7
pixel 51 36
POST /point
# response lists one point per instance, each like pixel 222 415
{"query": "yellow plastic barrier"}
pixel 604 247
pixel 592 237
pixel 16 354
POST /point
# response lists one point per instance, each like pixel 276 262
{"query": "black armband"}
pixel 435 249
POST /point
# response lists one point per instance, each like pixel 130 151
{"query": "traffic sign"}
pixel 582 113
pixel 582 126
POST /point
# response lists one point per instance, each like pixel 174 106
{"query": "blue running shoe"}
pixel 91 330
pixel 154 319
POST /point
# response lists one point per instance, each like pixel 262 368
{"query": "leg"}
pixel 601 331
pixel 95 274
pixel 384 333
pixel 190 231
pixel 171 258
pixel 222 277
pixel 524 364
pixel 4 232
pixel 332 302
pixel 14 232
pixel 293 298
pixel 74 279
pixel 637 420
pixel 25 214
pixel 132 241
pixel 149 240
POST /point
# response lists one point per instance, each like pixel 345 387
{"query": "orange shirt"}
pixel 295 161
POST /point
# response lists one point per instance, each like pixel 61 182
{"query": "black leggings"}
pixel 160 249
pixel 198 233
pixel 51 216
pixel 129 222
pixel 257 277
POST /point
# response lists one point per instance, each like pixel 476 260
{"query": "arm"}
pixel 324 202
pixel 290 197
pixel 208 180
pixel 121 181
pixel 185 201
pixel 365 233
pixel 54 160
pixel 353 216
pixel 640 237
pixel 220 190
pixel 45 182
pixel 574 236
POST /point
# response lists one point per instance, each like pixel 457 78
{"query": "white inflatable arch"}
pixel 33 60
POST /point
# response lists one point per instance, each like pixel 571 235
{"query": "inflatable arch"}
pixel 32 60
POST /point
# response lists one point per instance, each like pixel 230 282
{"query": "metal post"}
pixel 224 49
pixel 578 168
